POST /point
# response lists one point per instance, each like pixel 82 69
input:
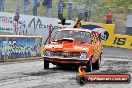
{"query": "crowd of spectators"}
pixel 78 9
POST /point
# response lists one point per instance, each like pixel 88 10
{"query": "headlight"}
pixel 47 53
pixel 83 56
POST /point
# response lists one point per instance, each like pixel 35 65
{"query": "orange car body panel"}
pixel 93 49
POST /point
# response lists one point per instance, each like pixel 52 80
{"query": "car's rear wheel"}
pixel 89 65
pixel 46 65
pixel 96 65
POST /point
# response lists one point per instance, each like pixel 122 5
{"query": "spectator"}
pixel 64 4
pixel 18 7
pixel 25 4
pixel 35 4
pixel 70 9
pixel 16 17
pixel 80 10
pixel 48 6
pixel 109 15
pixel 78 25
pixel 60 9
pixel 2 5
pixel 23 29
pixel 87 13
pixel 15 22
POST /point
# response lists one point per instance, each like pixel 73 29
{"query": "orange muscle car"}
pixel 74 47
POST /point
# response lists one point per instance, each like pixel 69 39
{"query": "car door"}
pixel 95 44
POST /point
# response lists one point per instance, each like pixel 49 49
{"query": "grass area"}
pixel 99 7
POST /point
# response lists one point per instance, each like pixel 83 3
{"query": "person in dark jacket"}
pixel 48 6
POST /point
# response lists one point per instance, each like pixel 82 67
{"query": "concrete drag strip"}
pixel 117 59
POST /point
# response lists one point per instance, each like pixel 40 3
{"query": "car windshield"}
pixel 79 36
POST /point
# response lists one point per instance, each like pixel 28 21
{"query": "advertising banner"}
pixel 107 35
pixel 30 25
pixel 105 30
pixel 14 47
pixel 34 25
pixel 118 40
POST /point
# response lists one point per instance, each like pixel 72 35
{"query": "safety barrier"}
pixel 16 47
pixel 108 37
pixel 118 40
pixel 109 27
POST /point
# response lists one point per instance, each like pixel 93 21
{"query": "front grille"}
pixel 65 54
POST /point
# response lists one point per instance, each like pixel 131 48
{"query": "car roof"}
pixel 76 29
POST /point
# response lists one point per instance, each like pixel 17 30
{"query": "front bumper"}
pixel 62 60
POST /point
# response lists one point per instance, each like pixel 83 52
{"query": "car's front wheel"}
pixel 89 65
pixel 46 65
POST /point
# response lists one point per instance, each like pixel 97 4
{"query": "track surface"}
pixel 30 74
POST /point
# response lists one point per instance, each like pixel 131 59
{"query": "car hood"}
pixel 68 46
